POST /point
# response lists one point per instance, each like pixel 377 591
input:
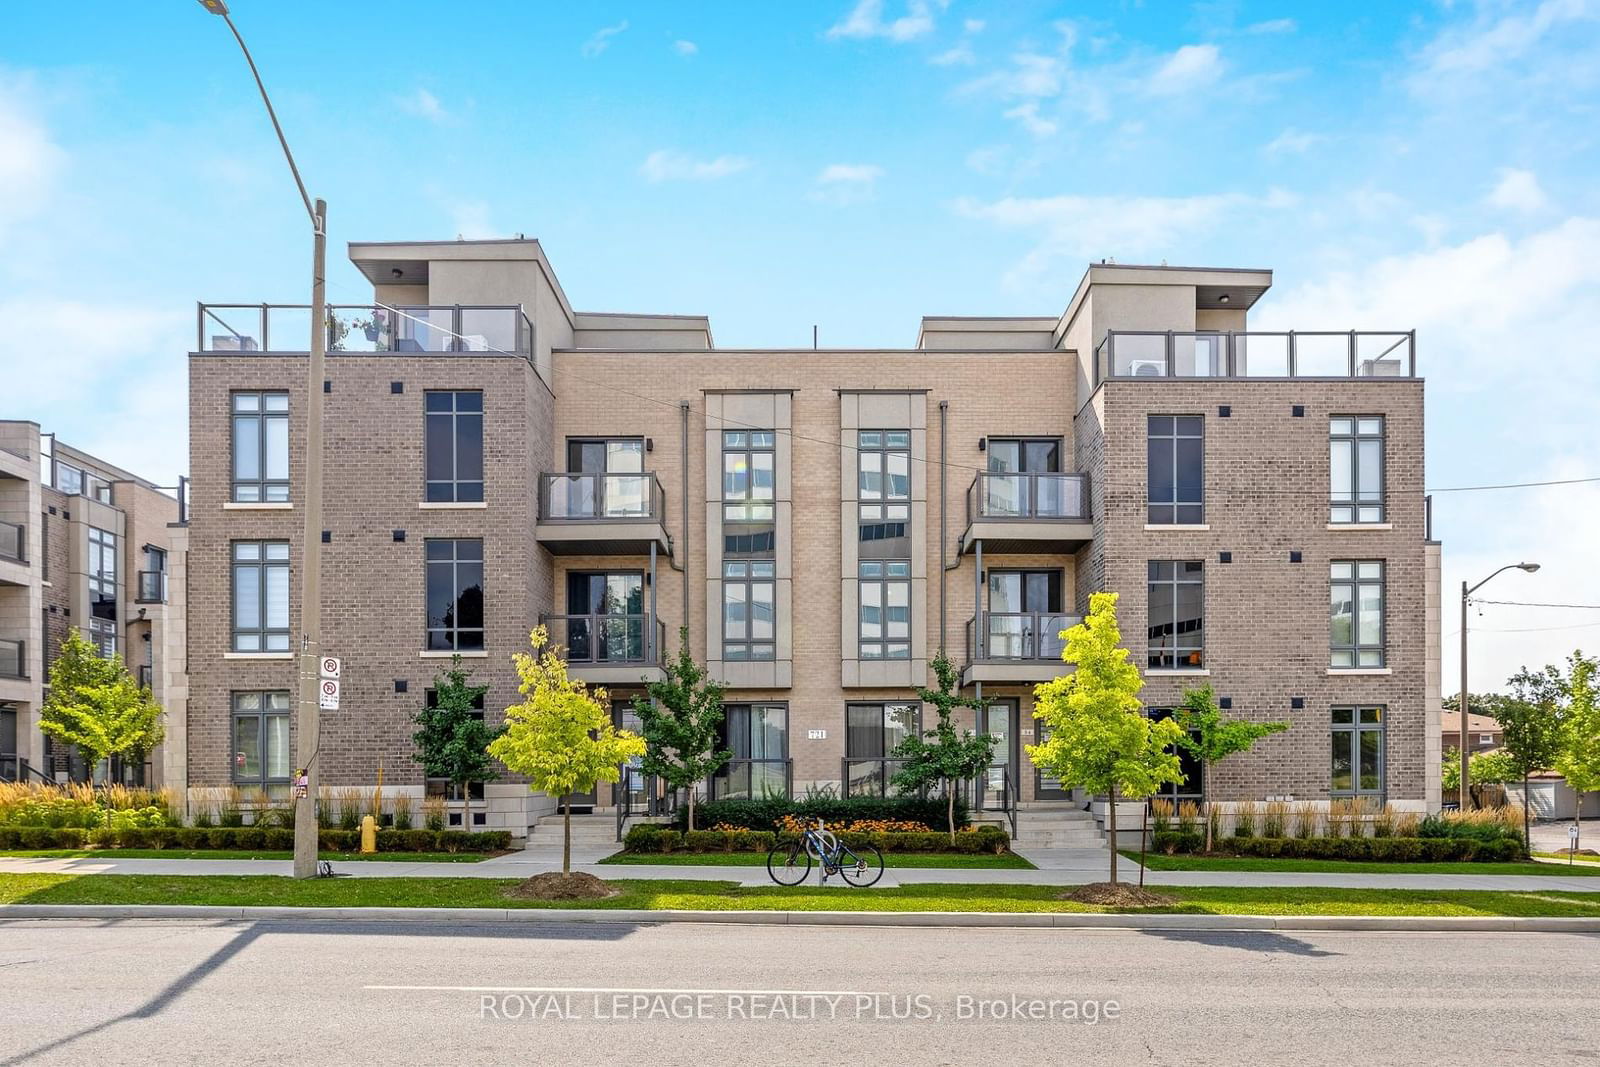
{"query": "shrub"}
pixel 202 816
pixel 1378 849
pixel 766 813
pixel 647 838
pixel 1188 817
pixel 351 803
pixel 433 812
pixel 1383 822
pixel 402 811
pixel 1305 819
pixel 1244 820
pixel 1160 815
pixel 230 812
pixel 1276 820
pixel 1172 842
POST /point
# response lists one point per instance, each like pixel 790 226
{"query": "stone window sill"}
pixel 451 505
pixel 481 653
pixel 1200 527
pixel 1361 670
pixel 264 505
pixel 258 655
pixel 1360 525
pixel 1186 672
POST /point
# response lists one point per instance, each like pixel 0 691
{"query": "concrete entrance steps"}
pixel 1056 826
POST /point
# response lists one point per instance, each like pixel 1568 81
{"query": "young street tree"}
pixel 681 718
pixel 1579 758
pixel 96 706
pixel 452 740
pixel 1210 738
pixel 561 736
pixel 941 756
pixel 1530 726
pixel 1100 739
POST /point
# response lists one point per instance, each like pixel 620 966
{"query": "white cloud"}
pixel 1518 190
pixel 1191 67
pixel 960 55
pixel 424 104
pixel 1273 26
pixel 685 48
pixel 1031 74
pixel 850 172
pixel 971 26
pixel 601 40
pixel 666 165
pixel 846 183
pixel 1491 42
pixel 1292 142
pixel 989 161
pixel 1027 114
pixel 30 161
pixel 866 20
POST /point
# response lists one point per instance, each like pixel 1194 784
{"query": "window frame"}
pixel 1179 792
pixel 1354 583
pixel 747 507
pixel 882 757
pixel 747 582
pixel 101 576
pixel 261 714
pixel 450 490
pixel 261 564
pixel 1355 728
pixel 882 580
pixel 267 490
pixel 1174 507
pixel 882 506
pixel 453 633
pixel 1177 651
pixel 1355 503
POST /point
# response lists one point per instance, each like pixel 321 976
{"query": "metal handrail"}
pixel 590 496
pixel 1227 354
pixel 601 629
pixel 1036 634
pixel 1034 495
pixel 13 658
pixel 15 768
pixel 14 542
pixel 974 793
pixel 721 774
pixel 402 329
pixel 151 587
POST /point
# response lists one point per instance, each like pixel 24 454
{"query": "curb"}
pixel 944 919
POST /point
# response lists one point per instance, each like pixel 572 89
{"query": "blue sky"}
pixel 854 165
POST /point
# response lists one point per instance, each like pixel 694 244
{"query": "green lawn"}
pixel 953 860
pixel 1159 862
pixel 238 890
pixel 236 854
pixel 1562 857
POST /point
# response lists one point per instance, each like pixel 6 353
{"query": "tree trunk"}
pixel 1144 825
pixel 950 810
pixel 1111 830
pixel 466 807
pixel 1205 801
pixel 691 805
pixel 1527 803
pixel 566 836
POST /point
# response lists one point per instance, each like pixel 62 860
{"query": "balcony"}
pixel 610 650
pixel 151 587
pixel 1354 354
pixel 13 659
pixel 602 514
pixel 367 329
pixel 1005 646
pixel 1027 512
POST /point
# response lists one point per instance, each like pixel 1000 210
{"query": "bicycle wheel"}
pixel 861 866
pixel 789 864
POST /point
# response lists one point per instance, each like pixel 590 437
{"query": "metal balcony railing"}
pixel 607 640
pixel 993 790
pixel 13 542
pixel 461 328
pixel 151 587
pixel 588 497
pixel 1253 354
pixel 1018 637
pixel 13 658
pixel 1037 495
pixel 868 775
pixel 752 778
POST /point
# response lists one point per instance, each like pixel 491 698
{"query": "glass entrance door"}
pixel 605 617
pixel 1047 786
pixel 1024 615
pixel 638 787
pixel 998 719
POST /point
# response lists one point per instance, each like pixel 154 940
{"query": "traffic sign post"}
pixel 328 695
pixel 330 667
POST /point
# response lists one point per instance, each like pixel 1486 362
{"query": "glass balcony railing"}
pixel 871 776
pixel 358 328
pixel 607 640
pixel 599 497
pixel 1290 354
pixel 1018 636
pixel 752 779
pixel 1036 495
pixel 13 542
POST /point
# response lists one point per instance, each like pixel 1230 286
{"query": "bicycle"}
pixel 861 866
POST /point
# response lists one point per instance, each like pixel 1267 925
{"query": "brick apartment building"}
pixel 85 544
pixel 821 521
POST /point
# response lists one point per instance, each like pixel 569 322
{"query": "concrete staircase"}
pixel 1046 825
pixel 593 836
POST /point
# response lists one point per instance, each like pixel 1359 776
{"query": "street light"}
pixel 307 718
pixel 1467 591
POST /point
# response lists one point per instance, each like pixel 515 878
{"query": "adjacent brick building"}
pixel 823 522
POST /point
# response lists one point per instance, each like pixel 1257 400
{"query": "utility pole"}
pixel 1466 592
pixel 308 724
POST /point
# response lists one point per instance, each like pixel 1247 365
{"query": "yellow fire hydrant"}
pixel 369 834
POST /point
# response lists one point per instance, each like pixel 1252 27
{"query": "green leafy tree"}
pixel 680 718
pixel 1530 726
pixel 561 736
pixel 1100 739
pixel 96 706
pixel 943 756
pixel 452 740
pixel 1488 768
pixel 1579 758
pixel 1210 738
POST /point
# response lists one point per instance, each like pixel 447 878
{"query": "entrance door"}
pixel 638 787
pixel 1047 786
pixel 9 767
pixel 1022 610
pixel 619 465
pixel 605 621
pixel 998 719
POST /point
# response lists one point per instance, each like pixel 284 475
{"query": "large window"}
pixel 885 606
pixel 1175 469
pixel 444 787
pixel 758 737
pixel 748 483
pixel 261 740
pixel 260 447
pixel 455 594
pixel 1357 738
pixel 748 616
pixel 103 590
pixel 883 475
pixel 1356 613
pixel 261 596
pixel 454 446
pixel 872 732
pixel 1355 468
pixel 1191 786
pixel 1177 614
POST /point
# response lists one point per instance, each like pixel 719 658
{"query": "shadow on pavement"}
pixel 1244 940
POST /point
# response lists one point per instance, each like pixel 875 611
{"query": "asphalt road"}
pixel 148 992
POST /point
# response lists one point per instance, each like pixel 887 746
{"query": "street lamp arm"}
pixel 1530 567
pixel 316 221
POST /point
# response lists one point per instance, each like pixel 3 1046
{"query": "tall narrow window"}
pixel 1357 765
pixel 749 486
pixel 872 732
pixel 261 596
pixel 261 740
pixel 260 447
pixel 1175 469
pixel 453 446
pixel 883 475
pixel 1355 468
pixel 455 594
pixel 1356 613
pixel 152 588
pixel 103 590
pixel 1177 614
pixel 758 737
pixel 885 594
pixel 748 631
